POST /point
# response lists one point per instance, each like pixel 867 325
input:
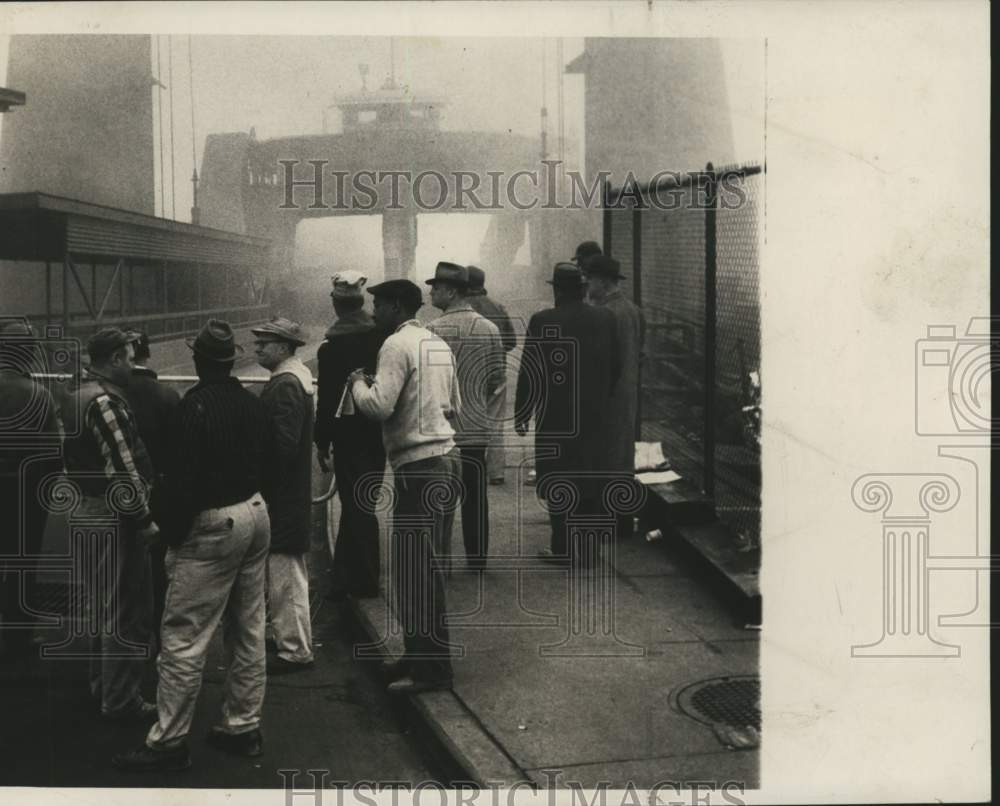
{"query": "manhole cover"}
pixel 733 701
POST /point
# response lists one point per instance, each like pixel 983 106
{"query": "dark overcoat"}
pixel 288 487
pixel 568 370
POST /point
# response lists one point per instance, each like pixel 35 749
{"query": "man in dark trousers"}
pixel 288 401
pixel 218 529
pixel 479 365
pixel 352 342
pixel 30 437
pixel 485 306
pixel 568 370
pixel 603 274
pixel 415 396
pixel 153 405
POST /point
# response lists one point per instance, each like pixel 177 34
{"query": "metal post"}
pixel 637 297
pixel 48 293
pixel 65 294
pixel 131 286
pixel 93 288
pixel 121 291
pixel 710 329
pixel 606 223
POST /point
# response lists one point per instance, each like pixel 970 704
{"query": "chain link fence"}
pixel 690 249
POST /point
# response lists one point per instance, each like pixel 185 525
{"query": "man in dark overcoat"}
pixel 568 369
pixel 352 342
pixel 288 403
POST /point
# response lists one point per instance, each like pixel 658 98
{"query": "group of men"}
pixel 218 528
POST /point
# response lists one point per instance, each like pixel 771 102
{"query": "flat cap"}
pixel 281 329
pixel 104 342
pixel 348 284
pixel 403 290
pixel 450 273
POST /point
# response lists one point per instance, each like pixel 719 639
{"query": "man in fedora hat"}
pixel 288 401
pixel 415 396
pixel 603 275
pixel 484 305
pixel 218 530
pixel 479 363
pixel 29 418
pixel 568 369
pixel 585 251
pixel 352 341
pixel 103 448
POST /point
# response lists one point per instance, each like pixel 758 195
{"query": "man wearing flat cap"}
pixel 103 449
pixel 352 342
pixel 481 369
pixel 415 396
pixel 569 366
pixel 484 305
pixel 219 531
pixel 603 275
pixel 29 419
pixel 288 401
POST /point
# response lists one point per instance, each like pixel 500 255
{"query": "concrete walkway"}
pixel 541 695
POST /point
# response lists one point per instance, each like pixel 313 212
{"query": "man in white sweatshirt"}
pixel 415 396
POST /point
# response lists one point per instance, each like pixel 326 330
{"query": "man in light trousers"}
pixel 218 527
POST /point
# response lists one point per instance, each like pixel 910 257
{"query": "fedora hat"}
pixel 585 250
pixel 215 342
pixel 281 329
pixel 566 275
pixel 450 273
pixel 477 279
pixel 603 266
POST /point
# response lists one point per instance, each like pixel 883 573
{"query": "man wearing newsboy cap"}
pixel 288 401
pixel 103 451
pixel 352 342
pixel 219 531
pixel 415 396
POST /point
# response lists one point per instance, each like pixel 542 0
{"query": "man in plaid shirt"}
pixel 108 462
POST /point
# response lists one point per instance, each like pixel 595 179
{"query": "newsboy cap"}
pixel 403 290
pixel 450 273
pixel 477 278
pixel 104 342
pixel 281 329
pixel 566 275
pixel 215 342
pixel 603 266
pixel 585 250
pixel 348 284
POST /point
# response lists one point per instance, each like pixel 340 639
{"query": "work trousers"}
pixel 496 455
pixel 356 562
pixel 424 491
pixel 217 574
pixel 116 574
pixel 288 602
pixel 475 505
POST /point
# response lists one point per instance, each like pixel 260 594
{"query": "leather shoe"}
pixel 407 685
pixel 249 744
pixel 146 759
